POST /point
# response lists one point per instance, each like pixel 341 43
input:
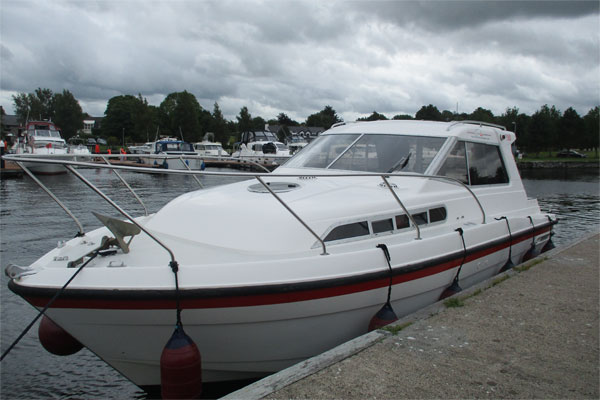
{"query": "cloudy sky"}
pixel 296 57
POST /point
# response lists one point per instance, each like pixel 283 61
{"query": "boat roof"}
pixel 49 124
pixel 419 127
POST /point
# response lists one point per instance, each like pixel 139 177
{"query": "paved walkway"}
pixel 534 334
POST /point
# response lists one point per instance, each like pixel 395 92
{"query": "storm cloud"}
pixel 296 57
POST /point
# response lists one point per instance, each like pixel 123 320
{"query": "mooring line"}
pixel 96 252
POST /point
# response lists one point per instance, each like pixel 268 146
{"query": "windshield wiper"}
pixel 403 162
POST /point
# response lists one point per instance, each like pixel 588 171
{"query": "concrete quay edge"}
pixel 277 381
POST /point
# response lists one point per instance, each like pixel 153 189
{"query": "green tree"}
pixel 34 106
pixel 244 120
pixel 219 125
pixel 375 116
pixel 591 123
pixel 482 115
pixel 571 131
pixel 402 117
pixel 448 116
pixel 67 113
pixel 283 119
pixel 429 113
pixel 120 119
pixel 258 124
pixel 324 118
pixel 543 129
pixel 181 113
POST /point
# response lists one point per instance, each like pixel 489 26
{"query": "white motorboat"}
pixel 261 147
pixel 210 149
pixel 80 151
pixel 280 268
pixel 42 139
pixel 170 153
pixel 296 144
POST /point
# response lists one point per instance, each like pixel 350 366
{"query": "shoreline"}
pixel 557 164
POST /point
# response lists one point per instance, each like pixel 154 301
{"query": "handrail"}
pixel 120 210
pixel 472 122
pixel 189 169
pixel 295 215
pixel 128 187
pixel 52 196
pixel 409 215
pixel 257 176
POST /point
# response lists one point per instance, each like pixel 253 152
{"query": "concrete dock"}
pixel 532 332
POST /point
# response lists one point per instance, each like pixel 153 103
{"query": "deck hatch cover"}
pixel 277 187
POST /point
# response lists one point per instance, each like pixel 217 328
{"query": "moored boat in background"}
pixel 40 139
pixel 261 147
pixel 170 153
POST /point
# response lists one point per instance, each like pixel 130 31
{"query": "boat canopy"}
pixel 162 146
pixel 258 136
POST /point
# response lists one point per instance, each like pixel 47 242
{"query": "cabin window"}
pixel 384 225
pixel 455 165
pixel 485 164
pixel 420 218
pixel 475 164
pixel 437 214
pixel 402 221
pixel 348 231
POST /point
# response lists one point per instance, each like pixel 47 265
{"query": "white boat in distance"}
pixel 42 139
pixel 170 153
pixel 210 149
pixel 306 269
pixel 261 147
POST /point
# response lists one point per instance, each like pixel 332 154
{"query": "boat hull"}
pixel 45 169
pixel 254 331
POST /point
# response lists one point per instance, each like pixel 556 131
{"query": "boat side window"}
pixel 485 164
pixel 437 214
pixel 455 165
pixel 420 218
pixel 348 231
pixel 384 225
pixel 402 221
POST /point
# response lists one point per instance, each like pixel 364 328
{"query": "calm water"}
pixel 31 224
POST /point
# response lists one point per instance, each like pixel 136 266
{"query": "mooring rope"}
pixel 175 268
pixel 386 252
pixel 509 236
pixel 460 232
pixel 96 252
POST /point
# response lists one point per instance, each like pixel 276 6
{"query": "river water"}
pixel 31 224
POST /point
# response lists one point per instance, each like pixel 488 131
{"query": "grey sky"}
pixel 298 56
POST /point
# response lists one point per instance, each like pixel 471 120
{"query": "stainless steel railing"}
pixel 69 162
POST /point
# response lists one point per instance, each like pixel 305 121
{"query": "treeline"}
pixel 132 119
pixel 548 129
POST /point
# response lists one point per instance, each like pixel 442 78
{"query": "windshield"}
pixel 174 146
pixel 369 153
